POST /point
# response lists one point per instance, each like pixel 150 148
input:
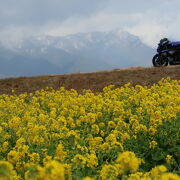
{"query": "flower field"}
pixel 129 133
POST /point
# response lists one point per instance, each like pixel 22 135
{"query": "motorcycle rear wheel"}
pixel 157 62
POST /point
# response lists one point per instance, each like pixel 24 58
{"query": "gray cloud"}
pixel 39 12
pixel 150 20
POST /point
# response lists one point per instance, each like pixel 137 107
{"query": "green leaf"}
pixel 158 155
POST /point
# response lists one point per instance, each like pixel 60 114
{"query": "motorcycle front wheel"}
pixel 158 62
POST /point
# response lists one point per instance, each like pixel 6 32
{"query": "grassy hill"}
pixel 94 81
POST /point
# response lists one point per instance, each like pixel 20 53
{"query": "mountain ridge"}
pixel 81 52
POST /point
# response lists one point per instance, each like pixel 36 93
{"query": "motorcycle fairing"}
pixel 162 51
pixel 175 43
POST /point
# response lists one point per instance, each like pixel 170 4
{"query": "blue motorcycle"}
pixel 167 53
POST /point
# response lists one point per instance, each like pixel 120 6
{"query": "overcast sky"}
pixel 148 19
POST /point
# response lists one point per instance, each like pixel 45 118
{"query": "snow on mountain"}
pixel 82 52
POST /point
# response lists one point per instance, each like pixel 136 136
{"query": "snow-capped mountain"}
pixel 82 52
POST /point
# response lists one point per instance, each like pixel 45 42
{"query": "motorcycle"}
pixel 167 53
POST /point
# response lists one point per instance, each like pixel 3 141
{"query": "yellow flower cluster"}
pixel 157 173
pixel 119 133
pixel 126 161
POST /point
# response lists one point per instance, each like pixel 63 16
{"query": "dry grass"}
pixel 94 81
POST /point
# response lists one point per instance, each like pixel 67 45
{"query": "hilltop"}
pixel 95 81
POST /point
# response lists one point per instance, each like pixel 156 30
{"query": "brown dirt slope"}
pixel 94 81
